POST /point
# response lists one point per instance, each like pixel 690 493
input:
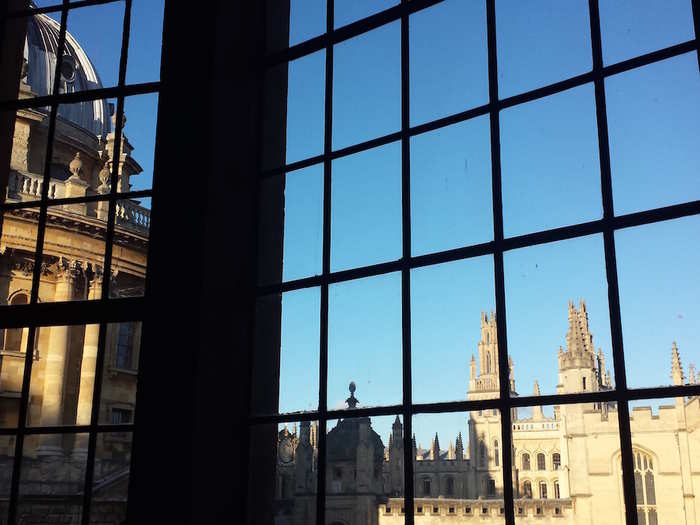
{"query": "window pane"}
pixel 659 290
pixel 366 208
pixel 541 432
pixel 120 373
pixel 130 255
pixel 307 19
pixel 7 457
pixel 139 132
pixel 22 34
pixel 13 345
pixel 347 11
pixel 28 156
pixel 364 470
pixel 111 477
pixel 447 303
pixel 555 348
pixel 145 39
pixel 654 124
pixel 364 341
pixel 633 27
pixel 541 42
pixel 63 379
pixel 305 106
pixel 550 165
pixel 49 475
pixel 457 451
pixel 284 473
pixel 367 86
pixel 447 42
pixel 451 204
pixel 17 251
pixel 292 337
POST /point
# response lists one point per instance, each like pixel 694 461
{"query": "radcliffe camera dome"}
pixel 77 73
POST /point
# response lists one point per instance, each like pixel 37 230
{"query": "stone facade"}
pixel 567 466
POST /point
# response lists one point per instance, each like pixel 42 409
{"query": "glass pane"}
pixel 293 339
pixel 284 473
pixel 364 470
pixel 659 290
pixel 555 348
pixel 63 378
pixel 664 435
pixel 448 42
pixel 28 156
pixel 347 11
pixel 451 204
pixel 364 341
pixel 550 164
pixel 20 36
pixel 110 484
pixel 130 255
pixel 7 458
pixel 654 124
pixel 541 42
pixel 138 143
pixel 120 373
pixel 366 208
pixel 13 345
pixel 632 27
pixel 545 489
pixel 367 86
pixel 307 19
pixel 447 303
pixel 464 478
pixel 305 106
pixel 52 479
pixel 17 250
pixel 145 39
pixel 93 47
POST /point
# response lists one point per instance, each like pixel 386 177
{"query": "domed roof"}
pixel 77 73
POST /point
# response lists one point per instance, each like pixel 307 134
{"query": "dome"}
pixel 77 73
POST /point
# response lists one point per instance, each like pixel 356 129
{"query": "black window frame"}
pixel 621 395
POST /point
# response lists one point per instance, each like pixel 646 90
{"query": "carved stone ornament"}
pixel 76 165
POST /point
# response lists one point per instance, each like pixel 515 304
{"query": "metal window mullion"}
pixel 696 23
pixel 408 457
pixel 107 272
pixel 611 266
pixel 499 278
pixel 57 7
pixel 23 205
pixel 36 276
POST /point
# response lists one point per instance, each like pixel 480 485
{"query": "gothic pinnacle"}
pixel 676 366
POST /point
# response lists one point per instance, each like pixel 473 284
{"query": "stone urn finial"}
pixel 76 165
pixel 352 401
pixel 114 120
pixel 104 176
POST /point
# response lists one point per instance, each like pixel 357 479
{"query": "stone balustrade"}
pixel 134 216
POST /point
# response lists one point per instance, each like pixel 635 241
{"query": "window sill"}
pixel 114 371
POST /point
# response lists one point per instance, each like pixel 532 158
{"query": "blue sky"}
pixel 551 178
pixel 98 29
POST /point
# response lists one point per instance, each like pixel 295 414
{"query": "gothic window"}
pixel 645 489
pixel 496 455
pixel 527 490
pixel 541 462
pixel 491 487
pixel 488 362
pixel 450 486
pixel 584 383
pixel 556 461
pixel 482 453
pixel 543 490
pixel 557 494
pixel 125 343
pixel 426 486
pixel 526 461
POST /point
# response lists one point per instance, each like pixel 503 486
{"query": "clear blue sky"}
pixel 551 178
pixel 98 29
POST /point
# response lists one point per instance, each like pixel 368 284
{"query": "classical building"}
pixel 567 466
pixel 64 357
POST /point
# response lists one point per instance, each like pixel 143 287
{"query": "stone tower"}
pixel 396 459
pixel 483 371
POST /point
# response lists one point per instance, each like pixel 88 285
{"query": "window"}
pixel 491 487
pixel 125 344
pixel 557 494
pixel 121 416
pixel 543 490
pixel 450 486
pixel 426 486
pixel 451 510
pixel 556 461
pixel 527 490
pixel 343 259
pixel 436 510
pixel 645 489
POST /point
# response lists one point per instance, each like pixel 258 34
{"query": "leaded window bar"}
pixel 105 310
pixel 607 225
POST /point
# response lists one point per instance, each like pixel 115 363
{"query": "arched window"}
pixel 527 490
pixel 450 486
pixel 543 490
pixel 541 462
pixel 556 461
pixel 526 461
pixel 426 486
pixel 496 454
pixel 488 362
pixel 557 493
pixel 125 343
pixel 645 488
pixel 482 453
pixel 11 338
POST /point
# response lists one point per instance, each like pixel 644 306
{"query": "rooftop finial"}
pixel 676 367
pixel 352 401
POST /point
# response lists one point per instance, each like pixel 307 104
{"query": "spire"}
pixel 676 367
pixel 415 449
pixel 537 413
pixel 459 448
pixel 578 337
pixel 435 449
pixel 691 374
pixel 451 451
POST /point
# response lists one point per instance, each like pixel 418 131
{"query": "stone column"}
pixel 55 368
pixel 87 370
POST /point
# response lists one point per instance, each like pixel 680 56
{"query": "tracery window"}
pixel 541 462
pixel 645 489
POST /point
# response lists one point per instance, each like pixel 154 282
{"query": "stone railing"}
pixel 22 186
pixel 133 216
